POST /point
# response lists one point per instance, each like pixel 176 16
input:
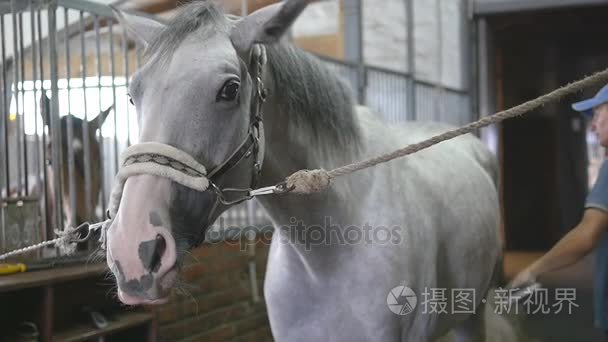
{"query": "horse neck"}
pixel 293 145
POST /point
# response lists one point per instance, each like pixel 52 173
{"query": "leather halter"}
pixel 253 144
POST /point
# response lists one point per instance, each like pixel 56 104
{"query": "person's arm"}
pixel 571 248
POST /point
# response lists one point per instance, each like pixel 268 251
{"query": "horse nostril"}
pixel 161 245
pixel 151 253
pixel 159 250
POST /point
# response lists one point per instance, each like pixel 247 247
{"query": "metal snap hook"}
pixel 278 189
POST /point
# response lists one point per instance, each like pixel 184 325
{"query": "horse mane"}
pixel 200 16
pixel 320 104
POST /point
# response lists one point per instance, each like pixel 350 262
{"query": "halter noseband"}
pixel 167 161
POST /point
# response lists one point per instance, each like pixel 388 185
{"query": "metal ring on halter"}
pixel 282 188
pixel 222 198
pixel 86 237
pixel 236 201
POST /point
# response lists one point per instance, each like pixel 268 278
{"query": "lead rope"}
pixel 66 240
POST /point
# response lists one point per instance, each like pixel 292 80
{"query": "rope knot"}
pixel 308 181
pixel 65 240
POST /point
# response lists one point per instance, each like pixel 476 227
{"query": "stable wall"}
pixel 217 301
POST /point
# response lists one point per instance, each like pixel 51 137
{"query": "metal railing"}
pixel 59 57
pixel 386 92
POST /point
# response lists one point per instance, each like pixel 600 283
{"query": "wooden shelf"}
pixel 53 296
pixel 51 276
pixel 84 332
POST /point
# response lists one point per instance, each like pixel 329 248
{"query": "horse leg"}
pixel 473 328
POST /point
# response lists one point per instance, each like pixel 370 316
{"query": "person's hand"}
pixel 523 279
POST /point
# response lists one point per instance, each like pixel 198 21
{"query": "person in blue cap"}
pixel 589 233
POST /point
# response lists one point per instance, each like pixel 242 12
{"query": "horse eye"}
pixel 229 91
pixel 131 99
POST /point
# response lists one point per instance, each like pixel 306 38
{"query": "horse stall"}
pixel 549 159
pixel 68 117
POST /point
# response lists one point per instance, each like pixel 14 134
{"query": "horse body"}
pixel 445 205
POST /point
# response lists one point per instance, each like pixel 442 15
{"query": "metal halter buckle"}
pixel 249 193
pixel 278 189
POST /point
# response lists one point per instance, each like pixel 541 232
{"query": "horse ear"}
pixel 266 25
pixel 142 29
pixel 98 121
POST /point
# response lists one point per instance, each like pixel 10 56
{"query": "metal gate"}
pixel 386 93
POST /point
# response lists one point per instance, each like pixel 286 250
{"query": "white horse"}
pixel 428 222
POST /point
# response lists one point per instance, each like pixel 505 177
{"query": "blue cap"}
pixel 587 106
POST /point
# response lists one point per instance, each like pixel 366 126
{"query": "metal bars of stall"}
pixel 387 93
pixel 40 176
pixel 5 109
pixel 98 61
pixel 86 142
pixel 70 120
pixel 16 68
pixel 36 64
pixel 55 123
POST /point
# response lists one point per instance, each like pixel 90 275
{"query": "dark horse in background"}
pixel 80 208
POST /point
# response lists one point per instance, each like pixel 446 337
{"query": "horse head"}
pixel 196 92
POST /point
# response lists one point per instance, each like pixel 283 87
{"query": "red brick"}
pixel 188 307
pixel 215 283
pixel 192 272
pixel 209 302
pixel 228 264
pixel 219 334
pixel 207 251
pixel 224 315
pixel 225 298
pixel 260 263
pixel 251 323
pixel 258 335
pixel 203 322
pixel 235 247
pixel 167 313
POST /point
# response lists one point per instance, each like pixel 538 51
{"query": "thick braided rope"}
pixel 63 242
pixel 311 181
pixel 31 248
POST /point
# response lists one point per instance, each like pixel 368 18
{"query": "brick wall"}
pixel 215 300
